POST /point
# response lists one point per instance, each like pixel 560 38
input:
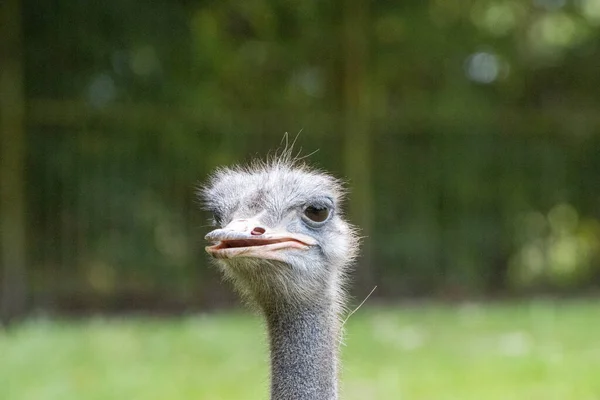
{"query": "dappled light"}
pixel 484 67
pixel 550 34
pixel 499 18
pixel 590 10
pixel 556 248
pixel 101 91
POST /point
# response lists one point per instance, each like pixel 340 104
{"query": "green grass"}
pixel 519 351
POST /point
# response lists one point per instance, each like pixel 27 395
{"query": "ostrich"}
pixel 283 243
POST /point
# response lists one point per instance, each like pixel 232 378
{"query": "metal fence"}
pixel 97 203
pixel 113 223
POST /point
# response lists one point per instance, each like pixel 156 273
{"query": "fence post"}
pixel 357 125
pixel 12 163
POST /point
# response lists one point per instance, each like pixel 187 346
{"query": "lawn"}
pixel 529 351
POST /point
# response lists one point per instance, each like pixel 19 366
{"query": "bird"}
pixel 282 239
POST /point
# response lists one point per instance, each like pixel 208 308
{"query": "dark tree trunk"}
pixel 356 127
pixel 12 160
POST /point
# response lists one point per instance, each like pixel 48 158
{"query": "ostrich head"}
pixel 280 235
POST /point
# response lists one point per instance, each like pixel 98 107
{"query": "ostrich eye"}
pixel 217 219
pixel 317 213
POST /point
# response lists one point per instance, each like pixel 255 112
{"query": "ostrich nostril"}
pixel 257 231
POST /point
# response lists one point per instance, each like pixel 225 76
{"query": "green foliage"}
pixel 541 350
pixel 477 112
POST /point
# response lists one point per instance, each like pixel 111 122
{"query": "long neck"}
pixel 304 342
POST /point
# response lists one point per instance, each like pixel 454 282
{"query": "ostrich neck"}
pixel 304 342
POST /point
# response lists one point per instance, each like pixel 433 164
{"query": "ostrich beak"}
pixel 250 238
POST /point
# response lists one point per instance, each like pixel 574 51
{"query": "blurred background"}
pixel 468 132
